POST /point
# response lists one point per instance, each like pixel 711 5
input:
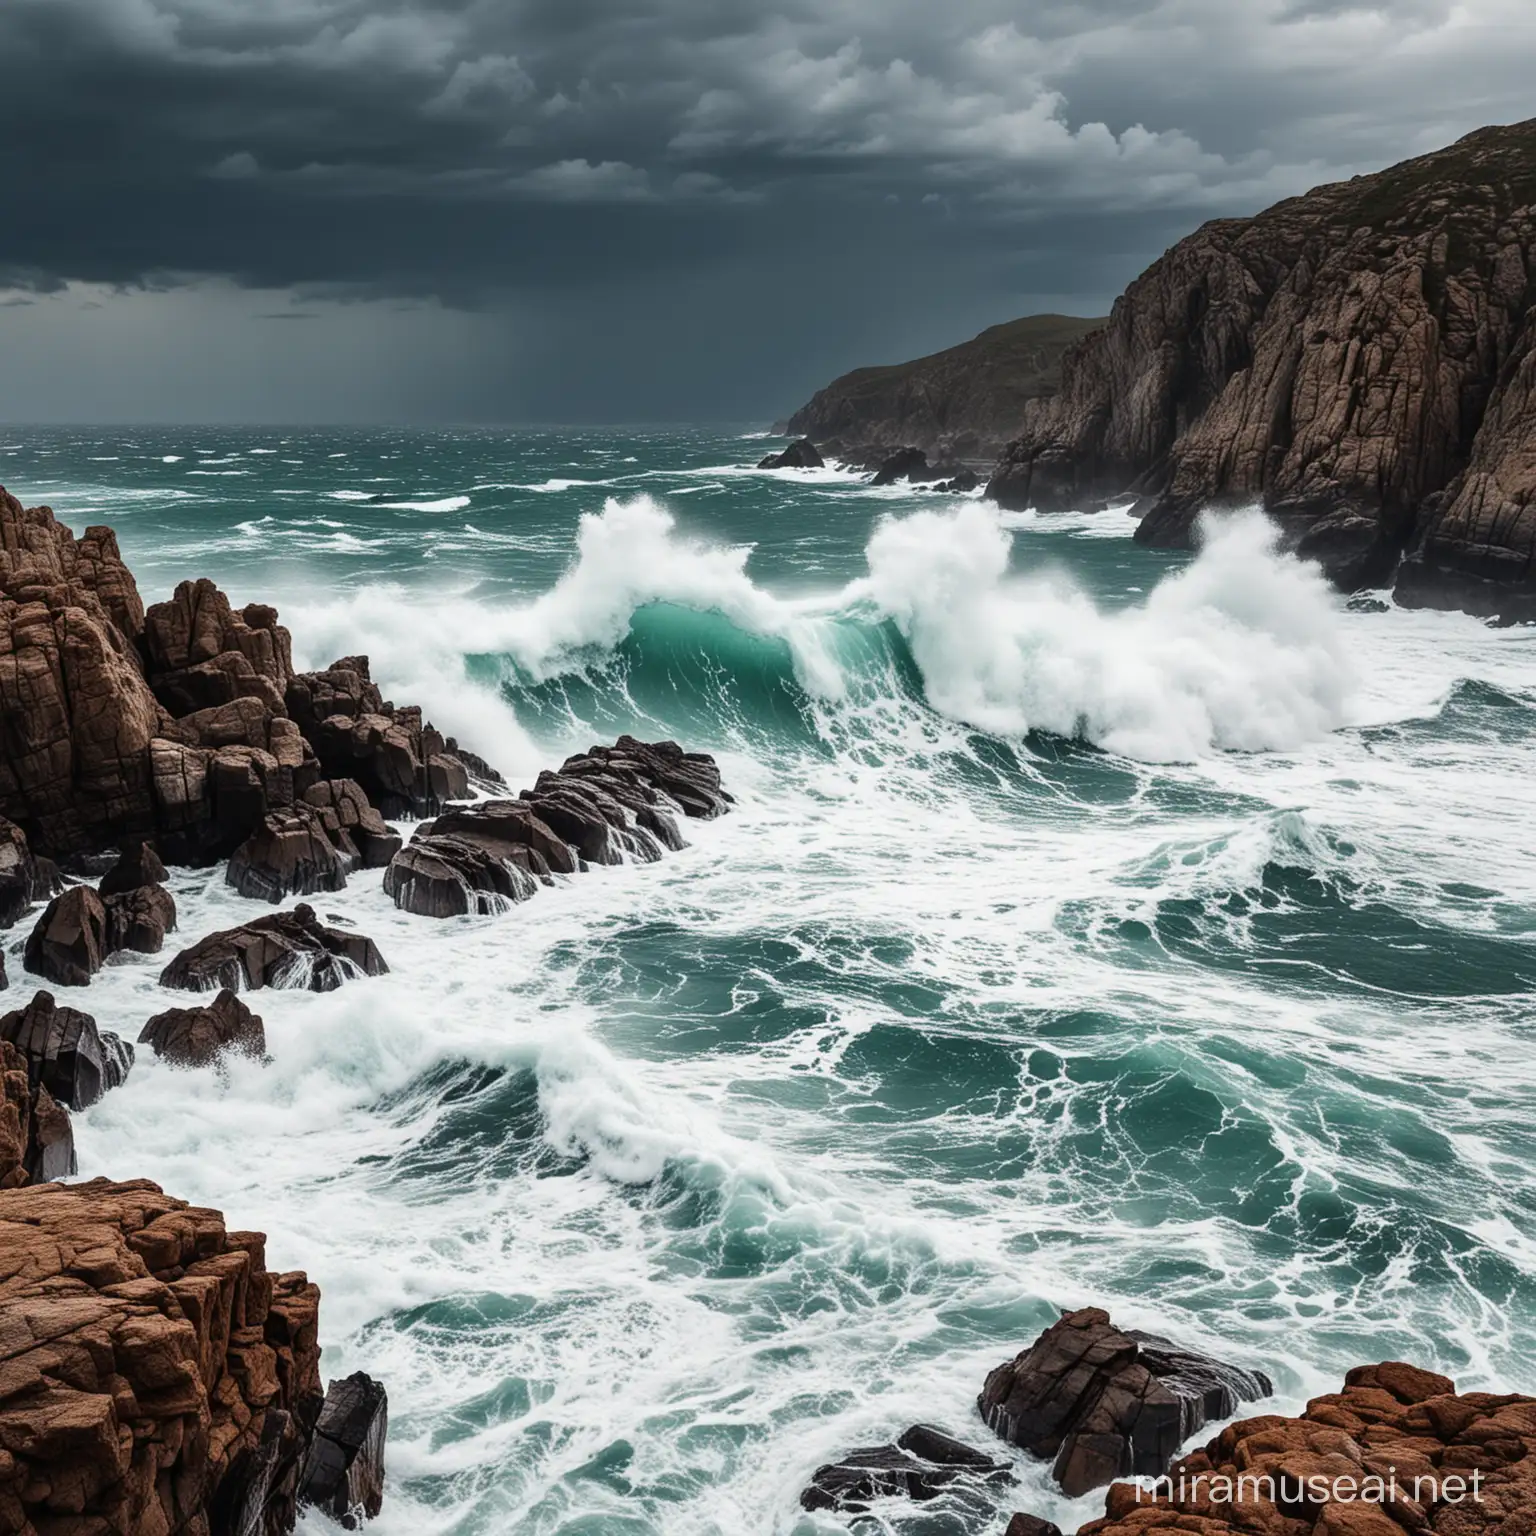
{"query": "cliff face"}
pixel 1358 360
pixel 964 403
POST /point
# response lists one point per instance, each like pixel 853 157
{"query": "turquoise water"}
pixel 1095 925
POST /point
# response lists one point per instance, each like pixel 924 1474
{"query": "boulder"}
pixel 1397 1449
pixel 1107 1404
pixel 903 464
pixel 923 1464
pixel 443 876
pixel 799 455
pixel 961 483
pixel 37 1142
pixel 159 1378
pixel 353 826
pixel 197 1037
pixel 287 949
pixel 24 878
pixel 70 942
pixel 1024 1524
pixel 289 854
pixel 343 1474
pixel 138 865
pixel 140 919
pixel 65 1053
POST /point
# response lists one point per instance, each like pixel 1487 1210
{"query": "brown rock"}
pixel 287 949
pixel 159 1379
pixel 24 878
pixel 137 866
pixel 70 942
pixel 344 1471
pixel 1357 360
pixel 37 1144
pixel 198 626
pixel 64 1051
pixel 197 1037
pixel 353 825
pixel 289 854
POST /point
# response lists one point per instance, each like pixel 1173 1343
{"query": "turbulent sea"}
pixel 1095 925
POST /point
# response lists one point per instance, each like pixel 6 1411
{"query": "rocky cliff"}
pixel 964 403
pixel 1360 360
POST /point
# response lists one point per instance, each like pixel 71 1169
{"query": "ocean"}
pixel 1094 925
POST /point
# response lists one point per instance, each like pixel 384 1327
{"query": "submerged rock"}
pixel 923 1464
pixel 344 1471
pixel 288 949
pixel 64 1051
pixel 799 455
pixel 1107 1404
pixel 70 942
pixel 197 1037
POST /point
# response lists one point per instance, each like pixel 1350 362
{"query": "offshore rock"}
pixel 197 1037
pixel 1357 360
pixel 159 1379
pixel 904 464
pixel 799 455
pixel 344 1471
pixel 65 1053
pixel 288 949
pixel 70 942
pixel 923 1464
pixel 455 876
pixel 37 1143
pixel 1106 1404
pixel 140 919
pixel 24 878
pixel 289 854
pixel 1398 1449
pixel 137 866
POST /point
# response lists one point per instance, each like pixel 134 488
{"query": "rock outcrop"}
pixel 24 878
pixel 158 1379
pixel 1397 1451
pixel 288 949
pixel 1357 360
pixel 799 455
pixel 964 403
pixel 185 724
pixel 289 854
pixel 37 1143
pixel 605 806
pixel 1106 1404
pixel 65 1052
pixel 923 1464
pixel 198 1037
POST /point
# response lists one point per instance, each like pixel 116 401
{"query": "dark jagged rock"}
pixel 609 804
pixel 904 464
pixel 923 1464
pixel 202 654
pixel 344 1471
pixel 160 1380
pixel 140 919
pixel 37 1142
pixel 1106 1404
pixel 960 484
pixel 24 878
pixel 1356 360
pixel 799 455
pixel 481 774
pixel 65 1052
pixel 197 1037
pixel 70 942
pixel 137 866
pixel 358 832
pixel 1397 1450
pixel 289 854
pixel 287 949
pixel 963 403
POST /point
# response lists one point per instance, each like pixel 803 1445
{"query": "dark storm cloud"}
pixel 596 156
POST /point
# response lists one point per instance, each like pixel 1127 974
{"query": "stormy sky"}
pixel 646 210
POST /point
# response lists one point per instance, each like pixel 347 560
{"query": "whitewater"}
pixel 1094 925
